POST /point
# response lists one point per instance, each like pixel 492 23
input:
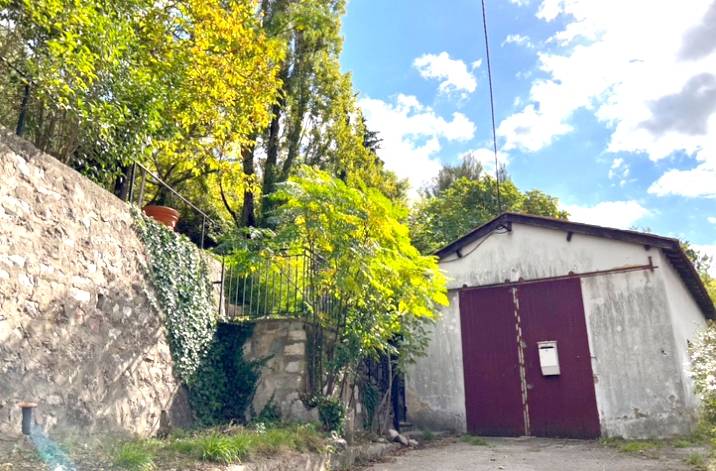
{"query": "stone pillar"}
pixel 282 344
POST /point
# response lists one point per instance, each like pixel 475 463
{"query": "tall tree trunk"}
pixel 248 211
pixel 272 147
pixel 294 137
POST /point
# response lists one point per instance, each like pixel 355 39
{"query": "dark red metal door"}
pixel 563 405
pixel 493 398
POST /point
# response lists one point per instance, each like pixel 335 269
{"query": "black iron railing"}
pixel 278 284
pixel 193 222
pixel 284 284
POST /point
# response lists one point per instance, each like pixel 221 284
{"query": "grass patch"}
pixel 697 461
pixel 427 436
pixel 474 440
pixel 228 445
pixel 135 456
pixel 632 446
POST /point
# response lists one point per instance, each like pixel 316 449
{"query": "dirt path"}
pixel 533 454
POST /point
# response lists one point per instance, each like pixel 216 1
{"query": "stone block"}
pixel 297 334
pixel 294 367
pixel 295 349
pixel 80 295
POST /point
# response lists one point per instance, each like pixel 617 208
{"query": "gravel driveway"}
pixel 532 454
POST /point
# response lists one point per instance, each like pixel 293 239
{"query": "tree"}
pixel 468 202
pixel 702 262
pixel 183 86
pixel 469 167
pixel 315 120
pixel 388 288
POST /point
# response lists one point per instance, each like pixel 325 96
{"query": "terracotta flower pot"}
pixel 163 214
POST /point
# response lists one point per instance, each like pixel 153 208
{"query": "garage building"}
pixel 561 329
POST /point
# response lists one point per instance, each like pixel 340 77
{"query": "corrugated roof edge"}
pixel 670 246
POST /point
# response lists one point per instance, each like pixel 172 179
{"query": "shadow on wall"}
pixel 78 331
pixel 102 367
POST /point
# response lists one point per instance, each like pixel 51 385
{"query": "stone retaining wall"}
pixel 282 344
pixel 78 334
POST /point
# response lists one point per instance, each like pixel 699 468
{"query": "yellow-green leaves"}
pixel 371 264
pixel 181 85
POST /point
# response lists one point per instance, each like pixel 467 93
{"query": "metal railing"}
pixel 281 284
pixel 140 177
pixel 286 284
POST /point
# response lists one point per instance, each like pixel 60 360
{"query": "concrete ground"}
pixel 533 454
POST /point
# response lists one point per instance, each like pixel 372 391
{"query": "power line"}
pixel 492 108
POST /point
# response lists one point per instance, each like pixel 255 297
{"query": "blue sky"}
pixel 614 116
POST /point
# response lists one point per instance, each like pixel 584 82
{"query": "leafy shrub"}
pixel 208 357
pixel 703 370
pixel 270 414
pixel 134 456
pixel 332 414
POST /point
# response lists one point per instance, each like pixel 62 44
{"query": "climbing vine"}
pixel 180 277
pixel 208 357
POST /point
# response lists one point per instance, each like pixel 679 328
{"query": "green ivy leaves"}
pixel 180 277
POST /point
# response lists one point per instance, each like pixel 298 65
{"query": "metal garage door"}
pixel 506 392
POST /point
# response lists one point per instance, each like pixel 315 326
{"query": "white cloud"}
pixel 453 74
pixel 520 3
pixel 619 214
pixel 619 171
pixel 412 134
pixel 647 73
pixel 519 40
pixel 711 219
pixel 699 181
pixel 710 250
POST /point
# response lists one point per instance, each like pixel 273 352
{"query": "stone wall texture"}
pixel 282 345
pixel 78 334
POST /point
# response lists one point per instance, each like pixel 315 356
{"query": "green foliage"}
pixel 697 461
pixel 234 445
pixel 370 265
pixel 222 389
pixel 180 277
pixel 134 456
pixel 467 203
pixel 370 396
pixel 181 85
pixel 631 446
pixel 207 358
pixel 270 414
pixel 474 440
pixel 469 167
pixel 702 262
pixel 225 445
pixel 332 413
pixel 703 370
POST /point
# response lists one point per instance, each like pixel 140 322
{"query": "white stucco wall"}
pixel 435 388
pixel 637 324
pixel 638 381
pixel 687 320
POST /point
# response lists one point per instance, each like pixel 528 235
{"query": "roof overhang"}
pixel 671 247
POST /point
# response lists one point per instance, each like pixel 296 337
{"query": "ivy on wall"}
pixel 208 357
pixel 180 277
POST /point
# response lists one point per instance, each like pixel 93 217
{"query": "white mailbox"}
pixel 548 357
